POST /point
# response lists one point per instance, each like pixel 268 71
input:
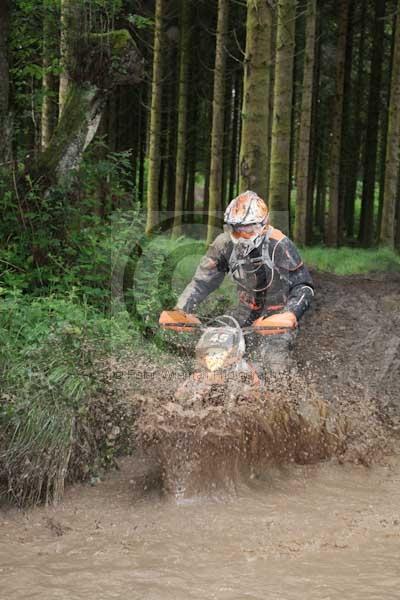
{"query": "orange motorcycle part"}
pixel 178 320
pixel 275 324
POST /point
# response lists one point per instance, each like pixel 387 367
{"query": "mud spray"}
pixel 233 435
pixel 341 400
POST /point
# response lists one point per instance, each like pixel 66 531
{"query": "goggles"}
pixel 245 232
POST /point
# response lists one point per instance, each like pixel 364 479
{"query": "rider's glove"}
pixel 276 324
pixel 178 320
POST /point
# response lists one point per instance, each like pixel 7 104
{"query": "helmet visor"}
pixel 245 232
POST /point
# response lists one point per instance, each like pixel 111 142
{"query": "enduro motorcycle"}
pixel 220 353
pixel 224 421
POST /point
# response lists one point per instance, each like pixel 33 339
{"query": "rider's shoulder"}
pixel 222 242
pixel 276 235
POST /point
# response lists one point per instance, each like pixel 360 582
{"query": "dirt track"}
pixel 350 341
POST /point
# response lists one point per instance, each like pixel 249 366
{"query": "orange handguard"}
pixel 275 324
pixel 178 320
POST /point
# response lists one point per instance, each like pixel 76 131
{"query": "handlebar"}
pixel 250 329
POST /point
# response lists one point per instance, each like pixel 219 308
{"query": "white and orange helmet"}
pixel 246 217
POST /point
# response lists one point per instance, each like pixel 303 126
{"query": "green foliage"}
pixel 164 269
pixel 66 240
pixel 26 66
pixel 49 368
pixel 351 261
pixel 140 22
pixel 58 324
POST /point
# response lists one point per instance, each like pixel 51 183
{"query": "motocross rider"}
pixel 270 276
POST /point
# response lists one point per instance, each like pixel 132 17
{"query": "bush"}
pixel 50 367
pixel 65 238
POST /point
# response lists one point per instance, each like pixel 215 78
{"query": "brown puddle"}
pixel 325 531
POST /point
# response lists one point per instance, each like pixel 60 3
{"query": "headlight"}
pixel 215 360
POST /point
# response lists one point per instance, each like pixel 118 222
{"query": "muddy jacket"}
pixel 272 278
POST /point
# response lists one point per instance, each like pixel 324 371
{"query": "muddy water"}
pixel 321 532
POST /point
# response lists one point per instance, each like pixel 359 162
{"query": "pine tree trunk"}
pixel 155 121
pixel 227 147
pixel 304 191
pixel 314 137
pixel 141 144
pixel 384 128
pixel 348 133
pixel 320 195
pixel 353 167
pixel 65 54
pixel 271 95
pixel 142 154
pixel 5 119
pixel 183 96
pixel 320 146
pixel 171 133
pixel 235 137
pixel 321 156
pixel 50 81
pixel 112 121
pixel 387 232
pixel 133 106
pixel 124 121
pixel 192 158
pixel 207 170
pixel 366 235
pixel 191 184
pixel 256 90
pixel 332 229
pixel 279 184
pixel 217 132
pixel 171 166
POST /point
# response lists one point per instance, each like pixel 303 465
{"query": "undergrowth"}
pixel 351 261
pixel 50 359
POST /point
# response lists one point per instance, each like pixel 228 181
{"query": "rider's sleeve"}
pixel 292 270
pixel 208 276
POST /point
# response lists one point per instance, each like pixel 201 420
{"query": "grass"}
pixel 351 261
pixel 340 261
pixel 51 378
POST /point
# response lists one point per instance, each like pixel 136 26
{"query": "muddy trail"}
pixel 321 532
pixel 318 518
pixel 350 344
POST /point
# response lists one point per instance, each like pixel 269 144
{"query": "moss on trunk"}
pixel 184 64
pixel 5 121
pixel 282 118
pixel 111 60
pixel 332 229
pixel 65 50
pixel 155 122
pixel 50 80
pixel 387 233
pixel 256 89
pixel 76 129
pixel 304 195
pixel 217 134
